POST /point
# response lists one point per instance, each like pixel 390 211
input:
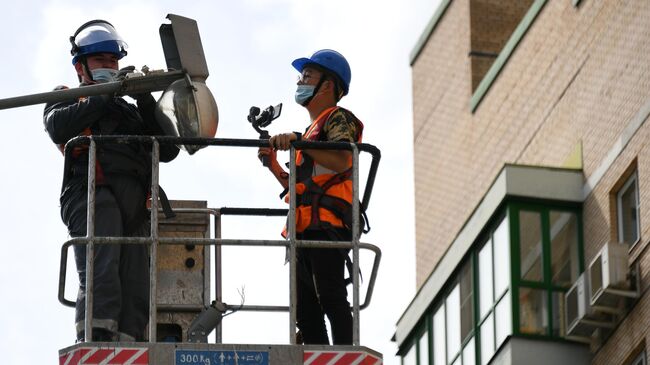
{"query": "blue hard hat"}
pixel 97 36
pixel 331 61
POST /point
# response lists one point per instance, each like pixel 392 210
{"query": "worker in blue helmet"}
pixel 121 272
pixel 324 187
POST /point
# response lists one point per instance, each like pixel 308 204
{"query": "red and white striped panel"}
pixel 340 358
pixel 106 356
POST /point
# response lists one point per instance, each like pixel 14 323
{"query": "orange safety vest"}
pixel 324 200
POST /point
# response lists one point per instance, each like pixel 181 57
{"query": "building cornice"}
pixel 431 26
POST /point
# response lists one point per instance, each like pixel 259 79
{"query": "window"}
pixel 418 352
pixel 466 301
pixel 530 241
pixel 467 290
pixel 550 259
pixel 564 248
pixel 453 322
pixel 513 280
pixel 495 314
pixel 532 311
pixel 439 357
pixel 423 349
pixel 485 279
pixel 627 211
pixel 409 358
pixel 469 353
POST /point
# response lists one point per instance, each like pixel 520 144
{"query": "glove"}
pixel 143 98
pixel 121 74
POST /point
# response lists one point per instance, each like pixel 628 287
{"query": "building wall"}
pixel 578 77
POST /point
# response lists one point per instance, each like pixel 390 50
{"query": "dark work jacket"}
pixel 107 115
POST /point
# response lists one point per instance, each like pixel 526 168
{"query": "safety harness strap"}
pixel 316 196
pixel 164 202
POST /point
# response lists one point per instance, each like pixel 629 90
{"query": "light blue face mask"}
pixel 102 75
pixel 303 93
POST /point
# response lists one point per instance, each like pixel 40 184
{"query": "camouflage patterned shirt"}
pixel 341 127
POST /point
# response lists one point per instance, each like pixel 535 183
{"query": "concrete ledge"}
pixel 517 351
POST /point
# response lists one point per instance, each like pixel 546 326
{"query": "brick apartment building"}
pixel 532 183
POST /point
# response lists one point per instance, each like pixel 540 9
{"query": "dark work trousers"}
pixel 321 291
pixel 121 272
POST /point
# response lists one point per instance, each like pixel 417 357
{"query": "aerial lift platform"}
pixel 180 275
pixel 183 249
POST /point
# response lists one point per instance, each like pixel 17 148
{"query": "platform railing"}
pixel 154 240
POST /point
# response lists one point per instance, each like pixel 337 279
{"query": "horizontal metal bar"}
pixel 60 95
pixel 608 310
pixel 233 307
pixel 232 211
pixel 217 241
pixel 155 81
pixel 483 54
pixel 374 151
pixel 259 308
pixel 134 85
pixel 596 323
pixel 177 241
pixel 581 339
pixel 224 242
pixel 622 293
pixel 253 211
pixel 230 142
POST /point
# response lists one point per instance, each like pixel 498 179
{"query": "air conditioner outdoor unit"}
pixel 577 306
pixel 581 318
pixel 608 276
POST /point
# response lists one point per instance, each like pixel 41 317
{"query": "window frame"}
pixel 633 178
pixel 546 284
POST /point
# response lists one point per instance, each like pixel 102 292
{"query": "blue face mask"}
pixel 102 75
pixel 303 93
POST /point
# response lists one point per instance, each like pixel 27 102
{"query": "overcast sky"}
pixel 249 45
